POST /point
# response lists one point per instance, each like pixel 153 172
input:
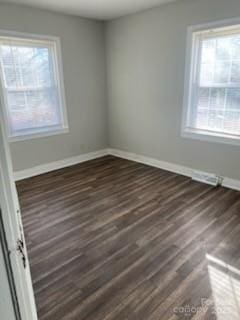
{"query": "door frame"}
pixel 13 229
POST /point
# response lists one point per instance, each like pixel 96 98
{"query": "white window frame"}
pixel 58 67
pixel 190 74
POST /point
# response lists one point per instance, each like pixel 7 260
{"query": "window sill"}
pixel 36 135
pixel 211 136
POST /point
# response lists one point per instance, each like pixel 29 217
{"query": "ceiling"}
pixel 98 9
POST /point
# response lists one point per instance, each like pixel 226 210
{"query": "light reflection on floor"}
pixel 225 285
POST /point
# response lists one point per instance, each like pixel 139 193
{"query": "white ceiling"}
pixel 99 9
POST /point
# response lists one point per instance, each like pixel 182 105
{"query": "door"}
pixel 6 302
pixel 12 223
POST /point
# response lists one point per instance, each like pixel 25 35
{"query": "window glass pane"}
pixel 218 94
pixel 210 119
pixel 16 101
pixel 232 122
pixel 223 48
pixel 220 61
pixel 208 51
pixel 219 110
pixel 233 99
pixel 28 77
pixel 211 98
pixel 222 71
pixel 25 66
pixel 235 72
pixel 202 119
pixel 203 98
pixel 236 47
pixel 12 76
pixel 7 56
pixel 217 98
pixel 215 120
pixel 206 74
pixel 33 109
pixel 207 61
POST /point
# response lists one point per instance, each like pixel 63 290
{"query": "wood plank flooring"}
pixel 112 239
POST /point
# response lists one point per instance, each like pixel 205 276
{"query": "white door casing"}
pixel 14 230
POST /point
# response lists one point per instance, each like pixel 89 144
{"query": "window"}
pixel 212 88
pixel 32 86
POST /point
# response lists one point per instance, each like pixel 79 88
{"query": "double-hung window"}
pixel 212 88
pixel 32 86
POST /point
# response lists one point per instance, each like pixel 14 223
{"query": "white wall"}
pixel 83 51
pixel 146 63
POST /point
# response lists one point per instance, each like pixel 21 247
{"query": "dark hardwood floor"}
pixel 112 239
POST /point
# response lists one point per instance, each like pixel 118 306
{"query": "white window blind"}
pixel 31 86
pixel 214 83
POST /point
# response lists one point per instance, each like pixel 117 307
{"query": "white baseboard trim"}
pixel 35 171
pixel 186 171
pixel 152 162
pixel 231 184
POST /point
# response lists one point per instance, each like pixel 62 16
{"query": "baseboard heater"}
pixel 208 178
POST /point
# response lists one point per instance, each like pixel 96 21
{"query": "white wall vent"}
pixel 208 178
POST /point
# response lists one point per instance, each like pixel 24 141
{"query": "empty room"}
pixel 119 159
